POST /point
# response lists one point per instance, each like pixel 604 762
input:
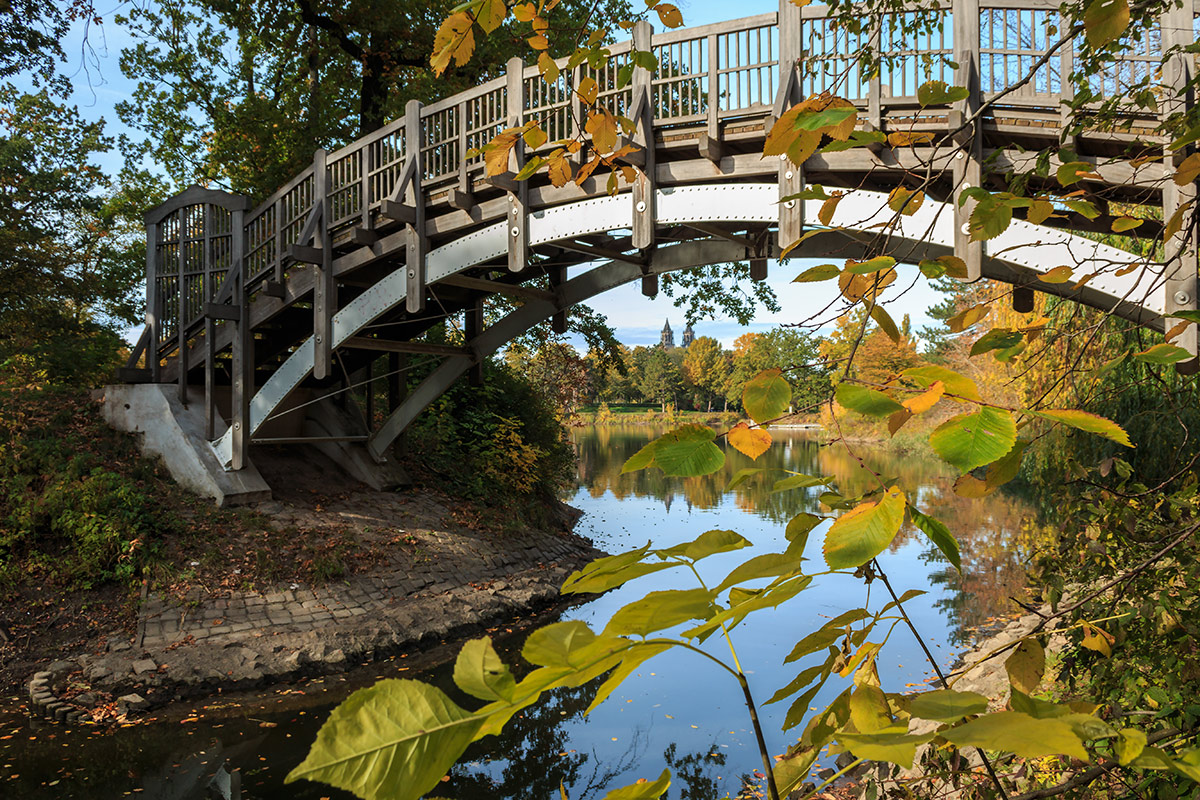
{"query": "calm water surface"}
pixel 678 711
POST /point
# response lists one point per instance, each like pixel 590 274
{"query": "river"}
pixel 678 710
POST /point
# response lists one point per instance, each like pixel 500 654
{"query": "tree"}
pixel 71 249
pixel 660 379
pixel 788 349
pixel 707 367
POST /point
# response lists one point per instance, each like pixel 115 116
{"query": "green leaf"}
pixel 707 544
pixel 959 386
pixel 480 673
pixel 939 534
pixel 1073 172
pixel 798 482
pixel 768 565
pixel 394 740
pixel 660 610
pixel 553 645
pixel 1083 207
pixel 800 681
pixel 1105 20
pixel 938 93
pixel 821 272
pixel 1129 745
pixel 1086 421
pixel 1026 666
pixel 996 339
pixel 766 395
pixel 641 459
pixel 797 530
pixel 743 475
pixel 892 745
pixel 871 402
pixel 631 660
pixel 743 602
pixel 610 572
pixel 1163 354
pixel 792 770
pixel 646 790
pixel 972 440
pixel 864 532
pixel 946 705
pixel 989 219
pixel 828 118
pixel 869 709
pixel 1014 732
pixel 857 139
pixel 868 267
pixel 688 451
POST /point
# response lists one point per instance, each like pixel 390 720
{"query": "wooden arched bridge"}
pixel 363 252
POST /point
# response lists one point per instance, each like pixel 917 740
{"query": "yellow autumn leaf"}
pixel 587 90
pixel 1057 275
pixel 926 399
pixel 454 40
pixel 750 441
pixel 603 128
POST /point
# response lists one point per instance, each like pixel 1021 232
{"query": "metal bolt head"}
pixel 960 155
pixel 512 198
pixel 412 273
pixel 516 231
pixel 966 184
pixel 237 426
pixel 789 204
pixel 514 211
pixel 1182 298
pixel 966 229
pixel 318 337
pixel 783 156
pixel 641 206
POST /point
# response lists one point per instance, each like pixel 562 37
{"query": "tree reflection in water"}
pixel 993 532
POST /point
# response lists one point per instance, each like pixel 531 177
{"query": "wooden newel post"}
pixel 414 199
pixel 518 197
pixel 324 288
pixel 1180 251
pixel 153 303
pixel 968 160
pixel 791 176
pixel 642 108
pixel 242 384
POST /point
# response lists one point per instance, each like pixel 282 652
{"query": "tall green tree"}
pixel 660 378
pixel 71 251
pixel 707 368
pixel 794 351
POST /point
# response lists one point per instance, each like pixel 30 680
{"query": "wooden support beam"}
pixel 461 199
pixel 473 324
pixel 1180 250
pixel 968 161
pixel 1023 299
pixel 387 346
pixel 306 254
pixel 518 195
pixel 324 288
pixel 558 276
pixel 222 311
pixel 644 185
pixel 274 289
pixel 600 253
pixel 650 286
pixel 363 237
pixel 399 212
pixel 496 287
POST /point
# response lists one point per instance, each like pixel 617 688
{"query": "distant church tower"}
pixel 668 337
pixel 688 335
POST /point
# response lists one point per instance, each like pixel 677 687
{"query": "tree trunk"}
pixel 372 93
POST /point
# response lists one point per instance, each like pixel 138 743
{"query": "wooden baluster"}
pixel 710 140
pixel 968 161
pixel 461 196
pixel 324 288
pixel 210 328
pixel 1180 250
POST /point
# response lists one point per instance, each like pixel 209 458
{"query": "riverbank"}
pixel 433 579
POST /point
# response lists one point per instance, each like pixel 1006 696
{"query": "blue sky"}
pixel 99 85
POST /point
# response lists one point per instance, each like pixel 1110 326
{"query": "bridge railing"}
pixel 708 76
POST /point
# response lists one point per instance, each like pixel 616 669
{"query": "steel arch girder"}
pixel 1020 254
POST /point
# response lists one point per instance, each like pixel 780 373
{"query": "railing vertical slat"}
pixel 153 302
pixel 181 359
pixel 968 169
pixel 324 292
